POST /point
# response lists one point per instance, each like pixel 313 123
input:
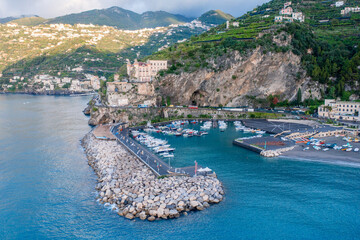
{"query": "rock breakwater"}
pixel 134 191
pixel 275 153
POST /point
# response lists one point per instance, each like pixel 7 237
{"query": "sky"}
pixel 189 8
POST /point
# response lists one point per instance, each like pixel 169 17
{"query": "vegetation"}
pixel 215 17
pixel 329 49
pixel 122 18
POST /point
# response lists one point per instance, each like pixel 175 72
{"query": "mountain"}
pixel 122 18
pixel 215 17
pixel 9 19
pixel 255 58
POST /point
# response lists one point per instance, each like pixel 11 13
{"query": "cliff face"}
pixel 258 74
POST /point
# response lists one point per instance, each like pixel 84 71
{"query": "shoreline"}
pixel 134 191
pixel 50 93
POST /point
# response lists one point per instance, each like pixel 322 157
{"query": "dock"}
pixel 151 160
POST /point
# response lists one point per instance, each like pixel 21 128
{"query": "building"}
pixel 145 71
pixel 298 16
pixel 121 94
pixel 234 24
pixel 339 4
pixel 287 14
pixel 340 110
pixel 348 10
pixel 286 11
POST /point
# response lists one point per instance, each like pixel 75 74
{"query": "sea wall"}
pixel 131 189
pixel 104 115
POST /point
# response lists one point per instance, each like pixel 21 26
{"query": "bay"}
pixel 47 189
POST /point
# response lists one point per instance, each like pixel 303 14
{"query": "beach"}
pixel 332 156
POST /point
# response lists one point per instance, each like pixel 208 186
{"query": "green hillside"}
pixel 327 42
pixel 29 21
pixel 215 17
pixel 122 18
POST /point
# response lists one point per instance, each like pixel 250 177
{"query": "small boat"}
pixel 168 155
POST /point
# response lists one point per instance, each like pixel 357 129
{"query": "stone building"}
pixel 340 110
pixel 145 71
pixel 121 94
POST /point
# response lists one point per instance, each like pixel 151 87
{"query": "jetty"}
pixel 155 163
pixel 127 186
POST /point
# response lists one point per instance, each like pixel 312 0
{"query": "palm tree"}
pixel 329 108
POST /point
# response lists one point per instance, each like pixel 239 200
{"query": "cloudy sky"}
pixel 53 8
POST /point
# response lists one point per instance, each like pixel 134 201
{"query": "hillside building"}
pixel 340 110
pixel 234 24
pixel 287 14
pixel 339 4
pixel 121 94
pixel 145 71
pixel 286 11
pixel 348 10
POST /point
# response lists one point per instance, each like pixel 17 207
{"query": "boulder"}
pixel 142 215
pixel 129 216
pixel 194 204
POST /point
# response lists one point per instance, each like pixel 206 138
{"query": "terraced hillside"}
pixel 326 42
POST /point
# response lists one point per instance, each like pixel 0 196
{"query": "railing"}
pixel 155 164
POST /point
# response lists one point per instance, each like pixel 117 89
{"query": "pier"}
pixel 156 164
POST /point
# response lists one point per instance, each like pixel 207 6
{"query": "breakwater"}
pixel 134 191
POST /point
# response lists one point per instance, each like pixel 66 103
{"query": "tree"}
pixel 298 97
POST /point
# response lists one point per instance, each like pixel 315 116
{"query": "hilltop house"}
pixel 340 110
pixel 145 71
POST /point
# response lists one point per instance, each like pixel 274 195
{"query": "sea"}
pixel 47 189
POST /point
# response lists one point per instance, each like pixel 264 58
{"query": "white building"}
pixel 348 10
pixel 340 110
pixel 299 16
pixel 339 4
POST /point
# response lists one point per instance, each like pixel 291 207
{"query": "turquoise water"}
pixel 47 188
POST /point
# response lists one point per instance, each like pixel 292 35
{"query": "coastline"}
pixel 51 93
pixel 133 191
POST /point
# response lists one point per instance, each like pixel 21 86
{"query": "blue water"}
pixel 47 188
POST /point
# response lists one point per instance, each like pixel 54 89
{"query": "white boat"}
pixel 167 155
pixel 356 149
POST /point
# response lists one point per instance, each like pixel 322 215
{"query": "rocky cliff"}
pixel 258 74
